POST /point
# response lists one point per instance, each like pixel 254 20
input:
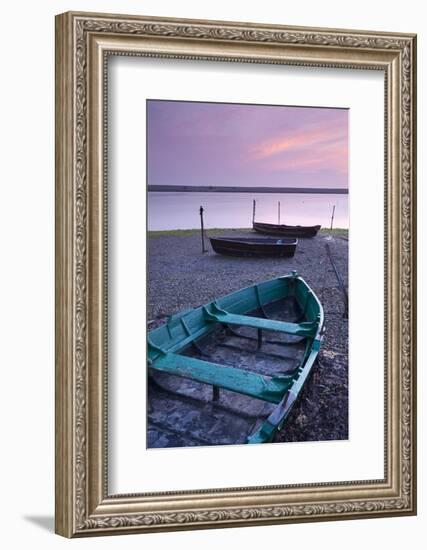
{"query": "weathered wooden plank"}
pixel 229 378
pixel 214 313
pixel 276 419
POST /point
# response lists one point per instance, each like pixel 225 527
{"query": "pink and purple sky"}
pixel 193 143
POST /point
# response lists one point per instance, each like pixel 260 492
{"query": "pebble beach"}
pixel 180 276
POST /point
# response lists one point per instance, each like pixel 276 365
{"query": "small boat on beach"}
pixel 286 230
pixel 230 371
pixel 254 246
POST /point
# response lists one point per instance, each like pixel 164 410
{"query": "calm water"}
pixel 181 210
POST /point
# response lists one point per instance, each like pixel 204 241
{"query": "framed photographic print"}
pixel 235 274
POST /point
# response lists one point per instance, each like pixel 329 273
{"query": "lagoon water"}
pixel 180 210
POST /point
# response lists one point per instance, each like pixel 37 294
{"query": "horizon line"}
pixel 235 189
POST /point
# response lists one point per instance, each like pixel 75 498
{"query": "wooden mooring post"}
pixel 202 230
pixel 278 212
pixel 253 211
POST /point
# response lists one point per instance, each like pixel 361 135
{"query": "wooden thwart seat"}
pixel 229 378
pixel 215 314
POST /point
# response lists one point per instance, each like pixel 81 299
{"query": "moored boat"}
pixel 254 246
pixel 286 230
pixel 229 372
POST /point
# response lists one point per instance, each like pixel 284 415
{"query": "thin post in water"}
pixel 278 212
pixel 332 217
pixel 253 211
pixel 202 230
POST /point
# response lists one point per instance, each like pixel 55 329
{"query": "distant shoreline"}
pixel 234 189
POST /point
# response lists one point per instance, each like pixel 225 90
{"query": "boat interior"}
pixel 225 373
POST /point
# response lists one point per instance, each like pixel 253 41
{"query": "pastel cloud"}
pixel 232 144
pixel 317 147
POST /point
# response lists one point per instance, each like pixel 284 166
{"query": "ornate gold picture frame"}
pixel 84 506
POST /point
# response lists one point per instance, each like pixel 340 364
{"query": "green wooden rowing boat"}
pixel 230 371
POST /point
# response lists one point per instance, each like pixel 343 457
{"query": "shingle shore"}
pixel 180 277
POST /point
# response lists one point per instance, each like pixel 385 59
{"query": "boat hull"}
pixel 286 230
pixel 260 247
pixel 230 372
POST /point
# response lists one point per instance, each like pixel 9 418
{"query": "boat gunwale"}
pixel 258 240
